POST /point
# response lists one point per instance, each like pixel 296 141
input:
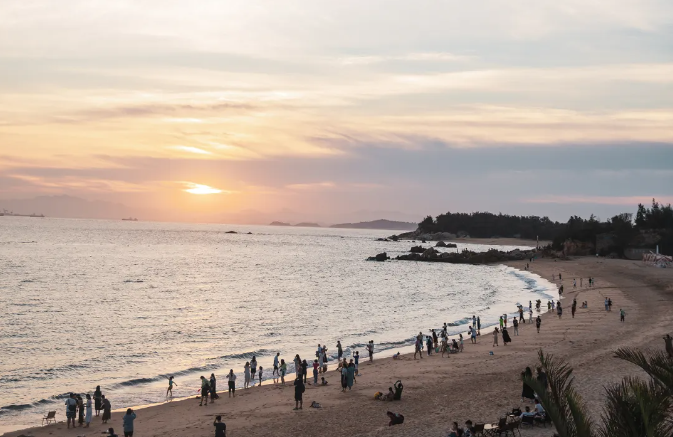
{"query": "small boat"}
pixel 130 219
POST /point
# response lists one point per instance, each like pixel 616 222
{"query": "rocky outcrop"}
pixel 443 244
pixel 468 257
pixel 380 257
pixel 417 249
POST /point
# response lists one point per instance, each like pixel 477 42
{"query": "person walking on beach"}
pixel 169 390
pixel 478 325
pixel 80 410
pixel 344 374
pixel 70 409
pixel 315 372
pixel 538 322
pixel 559 310
pixel 462 345
pixel 246 375
pixel 530 315
pixel 261 369
pixel 474 321
pixel 473 335
pixel 107 409
pixel 89 411
pixel 502 324
pixel 521 319
pixel 205 390
pixel 505 319
pixel 428 343
pixel 350 375
pixel 220 427
pixel 97 398
pixel 496 332
pixel 609 304
pixel 606 304
pixel 357 362
pixel 297 365
pixel 304 369
pixel 515 323
pixel 559 277
pixel 573 308
pixel 417 349
pixel 320 356
pixel 505 336
pixel 253 368
pixel 276 372
pixel 370 348
pixel 213 388
pixel 283 371
pixel 574 283
pixel 299 389
pixel 231 383
pixel 435 339
pixel 128 419
pixel 622 313
pixel 340 351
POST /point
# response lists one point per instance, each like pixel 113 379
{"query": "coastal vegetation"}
pixel 651 226
pixel 633 408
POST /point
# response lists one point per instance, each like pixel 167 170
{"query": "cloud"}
pixel 312 186
pixel 601 200
pixel 201 189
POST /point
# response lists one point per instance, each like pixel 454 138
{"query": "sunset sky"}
pixel 351 109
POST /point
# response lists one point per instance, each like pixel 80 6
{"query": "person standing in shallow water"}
pixel 97 398
pixel 231 382
pixel 213 388
pixel 253 368
pixel 246 375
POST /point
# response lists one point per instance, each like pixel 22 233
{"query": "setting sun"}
pixel 201 189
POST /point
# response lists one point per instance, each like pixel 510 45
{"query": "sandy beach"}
pixel 437 391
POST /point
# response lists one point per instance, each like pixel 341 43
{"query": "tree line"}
pixel 623 227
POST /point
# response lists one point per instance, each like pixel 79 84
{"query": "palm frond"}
pixel 635 408
pixel 658 365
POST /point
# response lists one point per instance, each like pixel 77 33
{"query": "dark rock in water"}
pixel 395 238
pixel 417 249
pixel 380 257
pixel 249 233
pixel 451 245
pixel 231 232
pixel 440 244
pixel 423 241
pixel 382 239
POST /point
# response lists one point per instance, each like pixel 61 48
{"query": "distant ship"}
pixel 130 219
pixel 11 214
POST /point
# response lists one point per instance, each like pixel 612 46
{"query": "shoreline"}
pixel 423 380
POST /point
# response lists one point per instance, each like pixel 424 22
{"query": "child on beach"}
pixel 283 370
pixel 261 369
pixel 169 390
pixel 538 322
pixel 622 313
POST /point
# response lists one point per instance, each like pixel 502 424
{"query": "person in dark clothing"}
pixel 299 389
pixel 527 391
pixel 398 390
pixel 97 399
pixel 542 377
pixel 395 418
pixel 304 369
pixel 220 427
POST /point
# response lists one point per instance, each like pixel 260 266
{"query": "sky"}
pixel 327 111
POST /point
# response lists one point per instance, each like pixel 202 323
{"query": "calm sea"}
pixel 124 304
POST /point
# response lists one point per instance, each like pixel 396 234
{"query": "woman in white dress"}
pixel 89 411
pixel 246 372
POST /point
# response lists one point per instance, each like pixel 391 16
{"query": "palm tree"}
pixel 633 408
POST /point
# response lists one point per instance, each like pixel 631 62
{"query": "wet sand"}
pixel 437 391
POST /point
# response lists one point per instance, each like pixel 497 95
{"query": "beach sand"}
pixel 437 391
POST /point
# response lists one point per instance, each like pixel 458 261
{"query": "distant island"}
pixel 300 225
pixel 379 224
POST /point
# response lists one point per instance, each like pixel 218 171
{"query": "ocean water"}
pixel 125 304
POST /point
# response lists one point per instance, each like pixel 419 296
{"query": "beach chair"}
pixel 528 420
pixel 50 418
pixel 502 427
